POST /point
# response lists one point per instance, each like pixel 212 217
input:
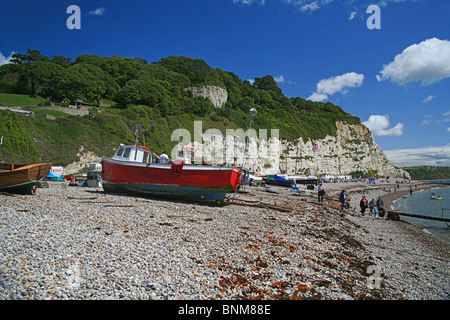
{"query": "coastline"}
pixel 405 239
pixel 81 243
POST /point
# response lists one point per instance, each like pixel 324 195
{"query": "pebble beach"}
pixel 268 243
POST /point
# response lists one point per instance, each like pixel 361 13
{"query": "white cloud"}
pixel 317 97
pixel 313 6
pixel 98 12
pixel 428 62
pixel 428 99
pixel 430 156
pixel 379 126
pixel 448 129
pixel 426 122
pixel 310 6
pixel 303 5
pixel 281 79
pixel 342 83
pixel 249 1
pixel 446 113
pixel 5 60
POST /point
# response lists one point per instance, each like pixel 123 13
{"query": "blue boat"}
pixel 279 181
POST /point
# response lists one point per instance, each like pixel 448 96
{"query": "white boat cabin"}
pixel 185 154
pixel 133 153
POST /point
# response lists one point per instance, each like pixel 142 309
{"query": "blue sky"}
pixel 396 79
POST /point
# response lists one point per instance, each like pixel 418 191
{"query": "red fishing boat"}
pixel 131 170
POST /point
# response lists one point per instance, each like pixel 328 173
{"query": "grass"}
pixel 54 113
pixel 429 172
pixel 10 99
pixel 109 102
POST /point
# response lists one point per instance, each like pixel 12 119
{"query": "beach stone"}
pixel 81 243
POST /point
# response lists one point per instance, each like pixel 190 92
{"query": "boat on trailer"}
pixel 131 170
pixel 22 178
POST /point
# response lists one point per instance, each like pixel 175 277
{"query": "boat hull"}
pixel 278 182
pixel 188 182
pixel 20 178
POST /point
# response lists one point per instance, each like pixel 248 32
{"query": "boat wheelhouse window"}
pixel 181 153
pixel 147 158
pixel 119 152
pixel 126 154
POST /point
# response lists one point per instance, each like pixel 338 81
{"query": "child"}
pixel 375 212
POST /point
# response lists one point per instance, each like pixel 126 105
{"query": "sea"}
pixel 420 203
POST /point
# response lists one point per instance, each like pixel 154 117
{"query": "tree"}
pixel 31 57
pixel 48 78
pixel 198 71
pixel 86 82
pixel 122 69
pixel 60 60
pixel 268 83
pixel 30 72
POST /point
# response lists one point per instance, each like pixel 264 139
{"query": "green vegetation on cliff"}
pixel 153 96
pixel 428 173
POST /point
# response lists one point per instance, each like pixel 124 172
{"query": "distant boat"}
pixel 131 170
pixel 277 180
pixel 22 178
pixel 309 181
pixel 434 196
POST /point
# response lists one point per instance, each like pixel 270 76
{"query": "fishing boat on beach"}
pixel 22 178
pixel 274 179
pixel 131 170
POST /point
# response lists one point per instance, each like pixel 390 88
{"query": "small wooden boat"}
pixel 22 178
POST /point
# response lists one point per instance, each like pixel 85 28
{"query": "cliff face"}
pixel 217 95
pixel 352 149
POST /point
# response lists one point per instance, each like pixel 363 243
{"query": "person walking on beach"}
pixel 347 204
pixel 342 199
pixel 375 212
pixel 380 203
pixel 410 191
pixel 320 193
pixel 371 205
pixel 363 204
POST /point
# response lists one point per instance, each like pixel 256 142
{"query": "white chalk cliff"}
pixel 217 95
pixel 353 149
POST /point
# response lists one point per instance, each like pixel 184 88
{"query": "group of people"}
pixel 376 208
